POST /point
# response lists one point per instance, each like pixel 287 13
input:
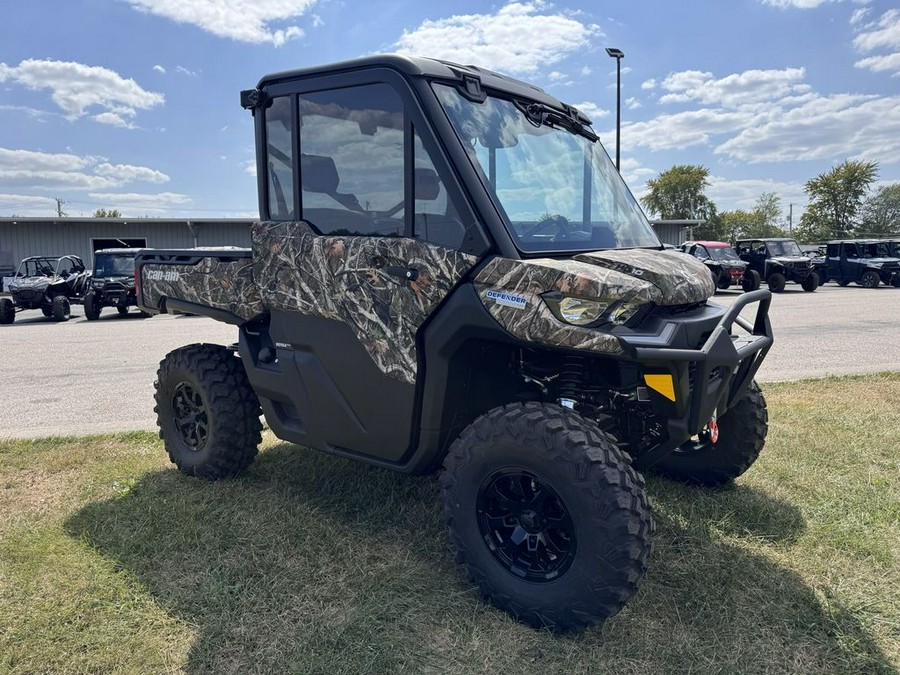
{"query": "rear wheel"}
pixel 869 279
pixel 548 516
pixel 46 311
pixel 843 283
pixel 776 282
pixel 751 281
pixel 92 307
pixel 895 282
pixel 7 311
pixel 122 310
pixel 742 435
pixel 207 412
pixel 61 309
pixel 810 282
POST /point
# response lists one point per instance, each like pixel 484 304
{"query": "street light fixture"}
pixel 618 55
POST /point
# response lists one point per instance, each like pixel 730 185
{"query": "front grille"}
pixel 29 295
pixel 669 310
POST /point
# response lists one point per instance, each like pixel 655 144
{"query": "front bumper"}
pixel 706 381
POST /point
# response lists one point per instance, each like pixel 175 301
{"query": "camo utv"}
pixel 449 271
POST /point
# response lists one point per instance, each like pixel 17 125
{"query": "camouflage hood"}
pixel 678 279
pixel 627 279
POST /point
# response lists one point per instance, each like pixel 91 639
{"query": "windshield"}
pixel 42 267
pixel 722 253
pixel 784 248
pixel 109 265
pixel 557 191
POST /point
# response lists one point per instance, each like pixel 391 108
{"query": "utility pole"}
pixel 59 208
pixel 790 218
pixel 618 55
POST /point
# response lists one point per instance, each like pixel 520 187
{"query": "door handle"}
pixel 406 273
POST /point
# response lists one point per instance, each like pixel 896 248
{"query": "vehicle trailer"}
pixel 412 301
pixel 778 260
pixel 48 283
pixel 867 262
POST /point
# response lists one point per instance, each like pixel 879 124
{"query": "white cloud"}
pixel 250 167
pixel 805 4
pixel 881 64
pixel 185 71
pixel 885 33
pixel 113 119
pixel 159 69
pixel 65 170
pixel 26 205
pixel 632 103
pixel 241 20
pixel 77 87
pixel 520 38
pixel 859 15
pixel 648 84
pixel 750 86
pixel 742 194
pixel 592 110
pixel 685 129
pixel 881 34
pixel 159 200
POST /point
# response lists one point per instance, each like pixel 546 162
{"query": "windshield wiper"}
pixel 571 120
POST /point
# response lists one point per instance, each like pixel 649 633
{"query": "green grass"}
pixel 110 561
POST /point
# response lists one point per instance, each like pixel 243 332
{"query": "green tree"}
pixel 679 193
pixel 881 212
pixel 107 213
pixel 836 198
pixel 763 221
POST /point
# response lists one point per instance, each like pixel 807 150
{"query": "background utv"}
pixel 450 271
pixel 49 284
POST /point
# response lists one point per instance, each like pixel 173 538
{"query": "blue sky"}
pixel 133 104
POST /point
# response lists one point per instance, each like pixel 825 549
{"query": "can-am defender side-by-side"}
pixel 778 260
pixel 723 263
pixel 47 283
pixel 449 271
pixel 868 262
pixel 112 283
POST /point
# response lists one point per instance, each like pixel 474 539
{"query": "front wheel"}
pixel 92 307
pixel 548 516
pixel 207 412
pixel 122 310
pixel 61 309
pixel 742 435
pixel 810 282
pixel 776 282
pixel 870 279
pixel 751 281
pixel 7 311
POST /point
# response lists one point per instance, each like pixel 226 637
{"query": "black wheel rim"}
pixel 190 417
pixel 526 525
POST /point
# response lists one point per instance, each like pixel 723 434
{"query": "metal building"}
pixel 23 237
pixel 675 232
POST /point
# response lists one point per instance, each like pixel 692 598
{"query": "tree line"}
pixel 842 205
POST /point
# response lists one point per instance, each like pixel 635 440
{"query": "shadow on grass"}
pixel 315 564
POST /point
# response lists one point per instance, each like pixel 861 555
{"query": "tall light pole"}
pixel 618 55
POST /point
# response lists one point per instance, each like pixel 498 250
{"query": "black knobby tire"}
pixel 47 311
pixel 843 283
pixel 870 279
pixel 742 435
pixel 751 281
pixel 7 311
pixel 122 310
pixel 207 412
pixel 591 502
pixel 823 277
pixel 92 307
pixel 61 309
pixel 776 282
pixel 810 282
pixel 895 282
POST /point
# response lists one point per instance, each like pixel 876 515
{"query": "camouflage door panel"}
pixel 223 284
pixel 346 278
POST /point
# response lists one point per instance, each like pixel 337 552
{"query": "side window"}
pixel 833 251
pixel 851 251
pixel 352 160
pixel 279 159
pixel 700 252
pixel 436 217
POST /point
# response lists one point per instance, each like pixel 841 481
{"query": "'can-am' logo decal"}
pixel 507 299
pixel 161 275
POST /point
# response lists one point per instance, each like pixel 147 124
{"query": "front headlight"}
pixel 586 312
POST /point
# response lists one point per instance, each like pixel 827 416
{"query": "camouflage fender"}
pixel 630 277
pixel 226 285
pixel 347 279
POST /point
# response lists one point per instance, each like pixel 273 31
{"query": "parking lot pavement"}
pixel 83 377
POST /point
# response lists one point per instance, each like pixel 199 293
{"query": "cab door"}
pixel 383 236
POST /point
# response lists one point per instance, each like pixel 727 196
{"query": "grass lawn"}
pixel 110 561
